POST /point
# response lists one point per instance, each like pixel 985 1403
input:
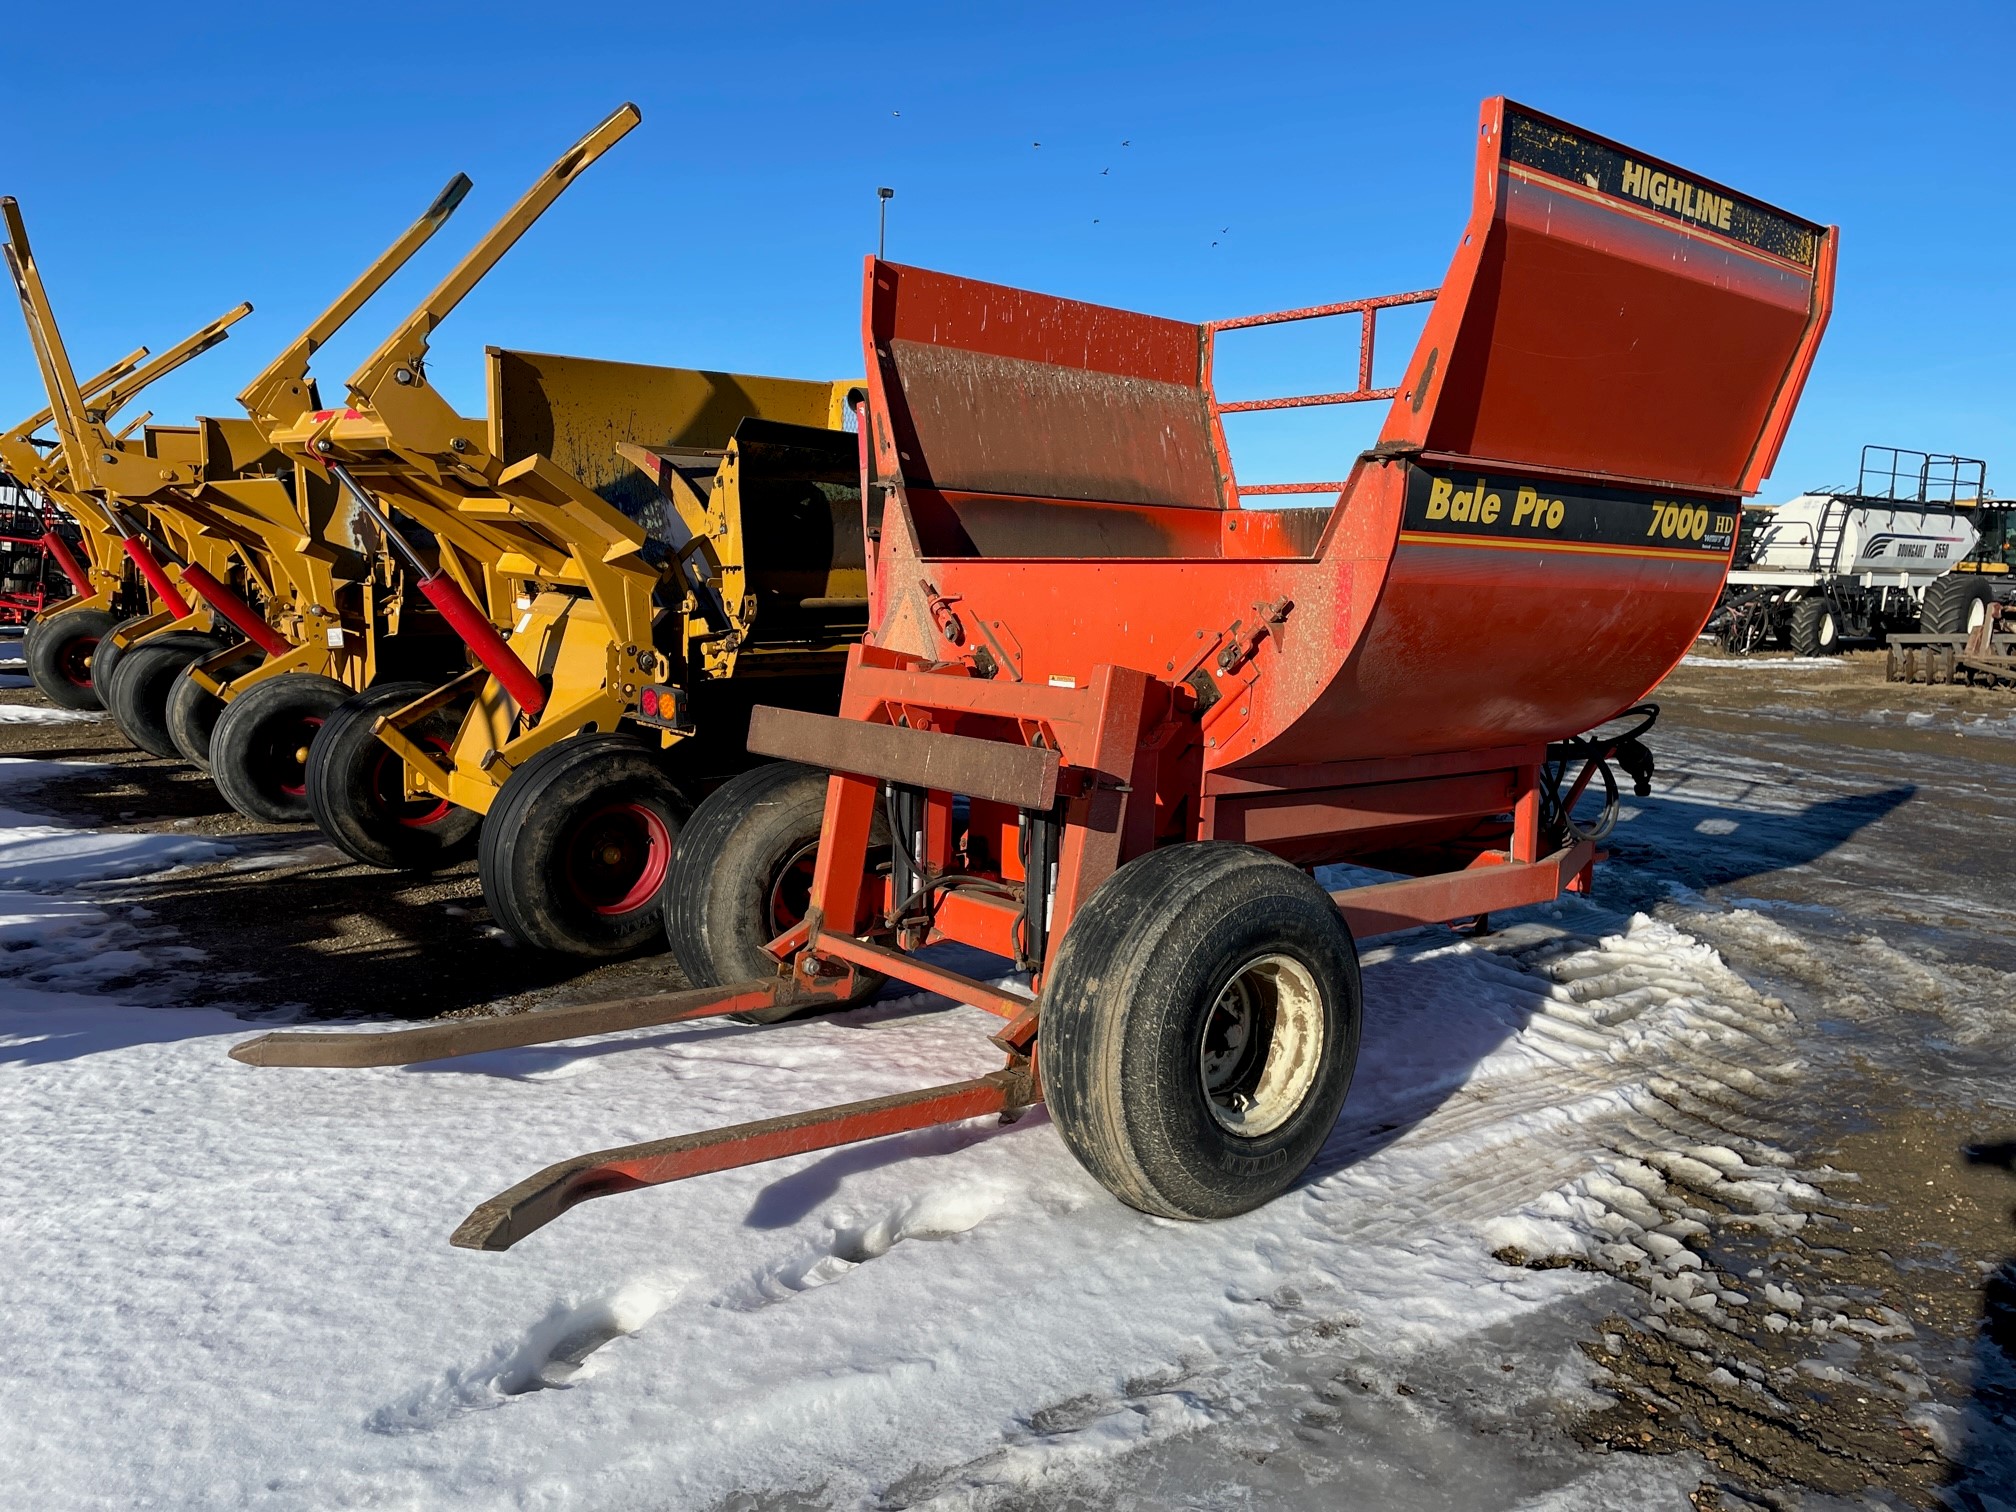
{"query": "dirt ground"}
pixel 1869 1358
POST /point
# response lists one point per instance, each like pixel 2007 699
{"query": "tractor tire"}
pixel 1814 629
pixel 1200 1029
pixel 357 792
pixel 1955 604
pixel 576 847
pixel 742 875
pixel 259 749
pixel 106 658
pixel 62 654
pixel 137 690
pixel 193 712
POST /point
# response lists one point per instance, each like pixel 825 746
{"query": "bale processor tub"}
pixel 1105 721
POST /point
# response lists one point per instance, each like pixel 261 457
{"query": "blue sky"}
pixel 206 155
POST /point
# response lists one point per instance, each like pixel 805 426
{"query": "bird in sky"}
pixel 1104 171
pixel 1126 144
pixel 895 112
pixel 1035 144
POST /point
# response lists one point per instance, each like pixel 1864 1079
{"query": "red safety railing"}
pixel 1368 312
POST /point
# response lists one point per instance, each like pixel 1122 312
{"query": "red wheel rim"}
pixel 616 857
pixel 387 787
pixel 791 889
pixel 73 662
pixel 287 753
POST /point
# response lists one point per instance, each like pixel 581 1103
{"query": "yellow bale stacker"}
pixel 648 604
pixel 305 590
pixel 137 583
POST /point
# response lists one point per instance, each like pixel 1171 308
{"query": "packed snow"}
pixel 36 714
pixel 229 1285
pixel 1775 663
pixel 37 853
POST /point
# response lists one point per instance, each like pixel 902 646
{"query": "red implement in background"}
pixel 1084 651
pixel 38 566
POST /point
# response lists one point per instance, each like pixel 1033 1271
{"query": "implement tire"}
pixel 136 691
pixel 357 792
pixel 1955 604
pixel 61 653
pixel 1200 1029
pixel 259 750
pixel 193 711
pixel 577 845
pixel 742 875
pixel 1814 629
pixel 106 658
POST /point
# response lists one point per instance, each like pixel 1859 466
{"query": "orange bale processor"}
pixel 1108 717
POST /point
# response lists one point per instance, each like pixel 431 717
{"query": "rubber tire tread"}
pixel 1949 600
pixel 1804 629
pixel 41 654
pixel 521 820
pixel 136 695
pixel 107 659
pixel 234 744
pixel 716 892
pixel 1118 1061
pixel 192 713
pixel 339 761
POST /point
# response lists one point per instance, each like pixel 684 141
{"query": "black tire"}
pixel 136 693
pixel 1144 1060
pixel 1954 604
pixel 742 875
pixel 1815 630
pixel 106 658
pixel 193 711
pixel 61 653
pixel 356 786
pixel 576 847
pixel 259 749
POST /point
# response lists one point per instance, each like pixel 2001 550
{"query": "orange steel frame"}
pixel 1368 311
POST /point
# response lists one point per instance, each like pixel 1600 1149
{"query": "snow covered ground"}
pixel 230 1286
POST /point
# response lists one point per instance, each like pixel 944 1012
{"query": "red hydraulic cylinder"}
pixel 483 641
pixel 59 548
pixel 219 597
pixel 157 579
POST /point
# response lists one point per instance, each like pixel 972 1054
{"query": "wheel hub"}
pixel 617 856
pixel 398 795
pixel 791 888
pixel 1262 1042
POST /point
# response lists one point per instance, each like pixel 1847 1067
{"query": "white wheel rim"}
pixel 1262 1042
pixel 1976 613
pixel 1826 629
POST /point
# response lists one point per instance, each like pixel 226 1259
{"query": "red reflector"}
pixel 649 702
